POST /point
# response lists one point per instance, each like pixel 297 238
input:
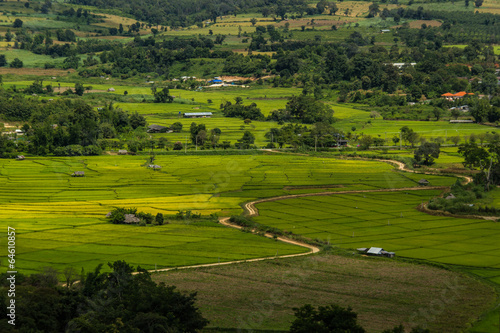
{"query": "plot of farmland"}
pixel 60 220
pixel 388 220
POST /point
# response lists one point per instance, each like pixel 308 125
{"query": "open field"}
pixel 254 296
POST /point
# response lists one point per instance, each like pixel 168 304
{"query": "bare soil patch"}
pixel 36 71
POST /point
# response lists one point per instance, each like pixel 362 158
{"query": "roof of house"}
pixel 156 126
pixel 78 173
pixel 131 218
pixel 374 250
pixel 451 196
pixel 447 95
pixel 423 181
pixel 194 114
pixel 154 166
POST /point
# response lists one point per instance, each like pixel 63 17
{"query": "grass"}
pixel 257 296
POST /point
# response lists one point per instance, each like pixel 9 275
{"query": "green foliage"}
pixel 16 63
pixel 330 318
pixel 242 111
pixel 304 109
pixel 426 153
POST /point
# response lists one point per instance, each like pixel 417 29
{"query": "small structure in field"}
pixel 20 157
pixel 122 152
pixel 154 167
pixel 450 197
pixel 78 174
pixel 377 251
pixel 111 89
pixel 197 114
pixel 131 218
pixel 158 129
pixel 423 182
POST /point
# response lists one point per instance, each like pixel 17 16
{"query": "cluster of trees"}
pixel 304 109
pixel 66 123
pixel 201 137
pixel 101 302
pixel 320 135
pixel 238 110
pixel 117 216
pixel 182 14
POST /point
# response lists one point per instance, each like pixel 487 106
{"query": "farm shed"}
pixel 158 129
pixel 461 121
pixel 111 89
pixel 122 152
pixel 78 174
pixel 377 251
pixel 450 197
pixel 154 167
pixel 20 157
pixel 423 182
pixel 197 114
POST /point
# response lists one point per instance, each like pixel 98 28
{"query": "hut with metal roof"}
pixel 131 218
pixel 78 174
pixel 423 182
pixel 197 114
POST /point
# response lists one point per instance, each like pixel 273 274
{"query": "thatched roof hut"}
pixel 131 218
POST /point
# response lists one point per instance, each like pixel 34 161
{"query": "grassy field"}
pixel 384 293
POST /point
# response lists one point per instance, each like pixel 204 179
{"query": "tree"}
pixel 455 139
pixel 487 160
pixel 253 21
pixel 426 153
pixel 16 63
pixel 308 110
pixel 3 60
pixel 408 135
pixel 246 140
pixel 373 10
pixel 333 8
pixel 163 96
pixel 176 127
pixel 437 113
pixel 321 6
pixel 365 142
pixel 159 218
pixel 17 23
pixel 330 318
pixel 480 109
pixel 137 120
pixel 79 89
pixel 478 3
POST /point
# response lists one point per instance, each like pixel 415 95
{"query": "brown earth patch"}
pixel 430 23
pixel 36 71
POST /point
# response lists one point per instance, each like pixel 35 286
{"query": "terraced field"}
pixel 388 220
pixel 60 219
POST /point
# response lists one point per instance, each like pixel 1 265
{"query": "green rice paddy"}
pixel 60 220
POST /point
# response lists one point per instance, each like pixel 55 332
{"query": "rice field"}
pixel 388 220
pixel 60 220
